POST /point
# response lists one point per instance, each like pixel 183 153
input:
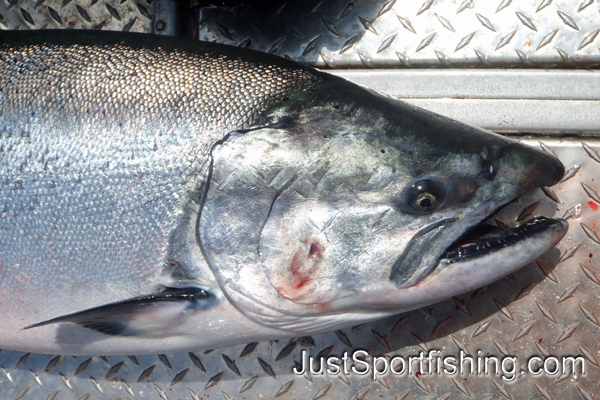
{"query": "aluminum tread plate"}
pixel 343 34
pixel 434 33
pixel 549 307
pixel 126 15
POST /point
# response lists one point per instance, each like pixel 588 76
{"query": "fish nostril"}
pixel 489 171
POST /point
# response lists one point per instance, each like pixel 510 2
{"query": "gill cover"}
pixel 245 234
pixel 287 219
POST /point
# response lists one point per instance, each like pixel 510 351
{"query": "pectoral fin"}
pixel 151 315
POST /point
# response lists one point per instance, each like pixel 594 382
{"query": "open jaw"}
pixel 495 250
pixel 481 255
pixel 485 243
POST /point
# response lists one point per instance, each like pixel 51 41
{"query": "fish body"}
pixel 161 195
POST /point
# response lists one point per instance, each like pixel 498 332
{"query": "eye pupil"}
pixel 425 203
pixel 426 196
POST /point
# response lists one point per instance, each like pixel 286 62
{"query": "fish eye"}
pixel 425 196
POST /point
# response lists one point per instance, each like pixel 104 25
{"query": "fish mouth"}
pixel 482 241
pixel 491 240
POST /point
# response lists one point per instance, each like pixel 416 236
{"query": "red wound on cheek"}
pixel 301 278
pixel 592 205
pixel 302 267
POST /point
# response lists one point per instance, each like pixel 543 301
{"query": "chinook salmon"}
pixel 161 195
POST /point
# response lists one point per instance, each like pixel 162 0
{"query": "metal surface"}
pixel 174 19
pixel 547 308
pixel 434 33
pixel 127 15
pixel 541 101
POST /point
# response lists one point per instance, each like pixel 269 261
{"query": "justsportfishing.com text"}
pixel 432 363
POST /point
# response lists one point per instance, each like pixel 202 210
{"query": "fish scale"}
pixel 100 145
pixel 125 80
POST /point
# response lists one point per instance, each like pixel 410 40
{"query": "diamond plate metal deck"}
pixel 431 33
pixel 126 15
pixel 548 308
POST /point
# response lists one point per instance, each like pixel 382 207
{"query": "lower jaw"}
pixel 505 238
pixel 459 277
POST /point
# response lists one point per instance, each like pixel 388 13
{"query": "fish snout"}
pixel 551 170
pixel 540 169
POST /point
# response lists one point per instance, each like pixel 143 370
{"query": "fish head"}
pixel 353 202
